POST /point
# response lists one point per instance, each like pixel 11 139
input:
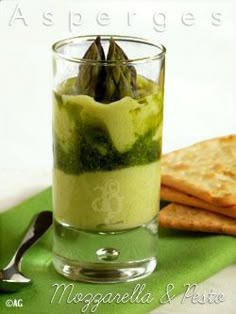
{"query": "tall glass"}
pixel 107 138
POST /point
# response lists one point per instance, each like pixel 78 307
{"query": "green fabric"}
pixel 184 257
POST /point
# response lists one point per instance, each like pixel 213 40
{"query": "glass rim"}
pixel 89 38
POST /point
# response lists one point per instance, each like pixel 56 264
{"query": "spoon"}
pixel 11 278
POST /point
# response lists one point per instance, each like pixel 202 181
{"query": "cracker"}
pixel 172 195
pixel 183 217
pixel 206 170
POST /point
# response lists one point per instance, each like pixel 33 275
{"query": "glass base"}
pixel 98 272
pixel 114 256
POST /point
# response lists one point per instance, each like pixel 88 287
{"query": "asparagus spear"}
pixel 108 83
pixel 120 79
pixel 91 76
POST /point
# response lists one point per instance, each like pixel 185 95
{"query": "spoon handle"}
pixel 40 224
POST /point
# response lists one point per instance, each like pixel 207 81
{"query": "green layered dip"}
pixel 107 126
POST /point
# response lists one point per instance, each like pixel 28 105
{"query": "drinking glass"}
pixel 107 138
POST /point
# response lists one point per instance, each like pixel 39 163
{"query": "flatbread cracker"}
pixel 182 217
pixel 206 170
pixel 172 195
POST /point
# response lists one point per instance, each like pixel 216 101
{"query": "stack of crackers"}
pixel 200 183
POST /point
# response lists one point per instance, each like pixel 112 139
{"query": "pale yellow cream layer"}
pixel 107 200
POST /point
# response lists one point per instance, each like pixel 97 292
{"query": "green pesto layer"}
pixel 87 137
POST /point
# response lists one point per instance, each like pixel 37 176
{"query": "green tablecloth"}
pixel 184 257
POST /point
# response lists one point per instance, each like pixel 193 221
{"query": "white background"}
pixel 200 97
